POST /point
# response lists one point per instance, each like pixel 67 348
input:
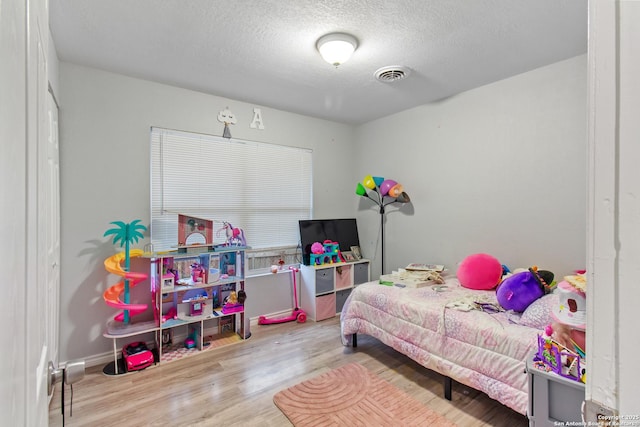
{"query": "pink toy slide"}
pixel 111 296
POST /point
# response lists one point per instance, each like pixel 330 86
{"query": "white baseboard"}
pixel 98 359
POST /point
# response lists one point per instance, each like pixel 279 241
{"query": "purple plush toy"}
pixel 519 290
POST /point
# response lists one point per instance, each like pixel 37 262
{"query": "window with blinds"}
pixel 261 188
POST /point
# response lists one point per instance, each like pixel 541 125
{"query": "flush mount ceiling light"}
pixel 336 48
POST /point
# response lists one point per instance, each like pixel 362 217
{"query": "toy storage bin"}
pixel 325 306
pixel 552 399
pixel 360 273
pixel 343 277
pixel 341 298
pixel 324 280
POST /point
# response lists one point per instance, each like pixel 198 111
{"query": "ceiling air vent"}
pixel 392 73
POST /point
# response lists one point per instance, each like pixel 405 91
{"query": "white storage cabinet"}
pixel 325 288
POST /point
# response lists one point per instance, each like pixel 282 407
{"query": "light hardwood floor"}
pixel 234 385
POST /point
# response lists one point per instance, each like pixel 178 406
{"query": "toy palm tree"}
pixel 126 234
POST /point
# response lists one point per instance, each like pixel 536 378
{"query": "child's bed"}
pixel 482 349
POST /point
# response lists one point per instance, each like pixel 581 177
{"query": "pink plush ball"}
pixel 480 271
pixel 317 248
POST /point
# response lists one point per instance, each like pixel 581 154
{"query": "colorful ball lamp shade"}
pixel 386 186
pixel 360 190
pixel 396 190
pixel 403 198
pixel 369 182
pixel 388 192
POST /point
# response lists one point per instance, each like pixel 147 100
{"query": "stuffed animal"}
pixel 519 290
pixel 317 248
pixel 479 271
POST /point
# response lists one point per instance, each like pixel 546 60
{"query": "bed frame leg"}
pixel 354 340
pixel 447 388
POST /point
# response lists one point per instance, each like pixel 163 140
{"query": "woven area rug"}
pixel 353 396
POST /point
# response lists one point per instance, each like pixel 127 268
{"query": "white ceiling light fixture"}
pixel 337 48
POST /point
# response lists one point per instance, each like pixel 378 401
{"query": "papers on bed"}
pixel 415 266
pixel 413 278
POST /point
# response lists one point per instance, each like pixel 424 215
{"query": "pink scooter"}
pixel 297 314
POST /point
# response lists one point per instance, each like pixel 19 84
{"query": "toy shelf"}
pixel 223 274
pixel 325 287
pixel 180 328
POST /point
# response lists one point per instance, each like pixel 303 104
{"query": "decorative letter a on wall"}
pixel 257 119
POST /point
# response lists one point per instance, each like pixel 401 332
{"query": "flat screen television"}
pixel 344 231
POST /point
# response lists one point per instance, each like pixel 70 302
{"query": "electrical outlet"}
pixel 597 414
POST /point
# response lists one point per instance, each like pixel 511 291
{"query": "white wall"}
pixel 499 169
pixel 104 161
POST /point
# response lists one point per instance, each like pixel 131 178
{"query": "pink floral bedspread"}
pixel 480 349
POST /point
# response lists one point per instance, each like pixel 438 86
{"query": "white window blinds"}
pixel 262 188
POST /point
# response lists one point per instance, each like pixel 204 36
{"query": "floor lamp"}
pixel 386 191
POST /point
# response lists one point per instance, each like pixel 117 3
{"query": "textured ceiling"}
pixel 263 52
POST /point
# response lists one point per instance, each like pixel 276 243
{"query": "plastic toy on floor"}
pixel 297 314
pixel 136 356
pixel 118 296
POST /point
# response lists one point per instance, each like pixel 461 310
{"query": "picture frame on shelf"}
pixel 355 250
pixel 348 256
